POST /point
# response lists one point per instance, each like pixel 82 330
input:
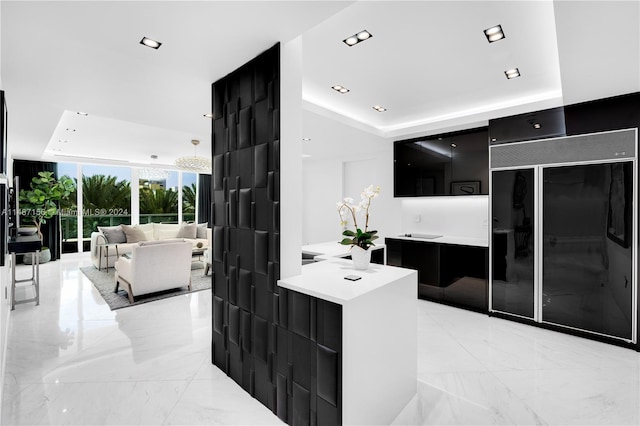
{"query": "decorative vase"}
pixel 361 258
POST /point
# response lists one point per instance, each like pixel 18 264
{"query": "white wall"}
pixel 322 182
pixel 290 157
pixel 343 160
pixel 461 216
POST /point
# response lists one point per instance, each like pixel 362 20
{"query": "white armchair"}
pixel 154 266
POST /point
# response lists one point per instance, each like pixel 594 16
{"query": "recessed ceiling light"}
pixel 493 139
pixel 494 33
pixel 208 115
pixel 537 125
pixel 82 113
pixel 306 139
pixel 363 35
pixel 453 145
pixel 69 129
pixel 340 89
pixel 150 43
pixel 379 108
pixel 512 73
pixel 357 38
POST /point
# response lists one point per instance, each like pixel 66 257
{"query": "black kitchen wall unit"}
pixel 447 273
pixel 574 271
pixel 615 113
pixel 619 112
pixel 282 347
pixel 547 123
pixel 455 163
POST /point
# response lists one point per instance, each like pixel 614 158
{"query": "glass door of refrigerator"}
pixel 513 213
pixel 587 249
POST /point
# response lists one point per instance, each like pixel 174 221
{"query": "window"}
pixel 189 196
pixel 159 199
pixel 106 197
pixel 69 211
pixel 106 193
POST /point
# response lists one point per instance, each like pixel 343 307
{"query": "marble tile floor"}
pixel 73 361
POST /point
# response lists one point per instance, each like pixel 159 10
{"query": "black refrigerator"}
pixel 564 232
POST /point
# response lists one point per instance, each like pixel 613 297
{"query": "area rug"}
pixel 104 282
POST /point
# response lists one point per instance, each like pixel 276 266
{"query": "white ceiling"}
pixel 85 56
pixel 428 63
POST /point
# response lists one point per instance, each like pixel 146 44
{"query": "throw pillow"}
pixel 201 231
pixel 187 231
pixel 113 234
pixel 133 233
pixel 148 229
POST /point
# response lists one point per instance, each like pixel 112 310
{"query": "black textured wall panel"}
pixel 282 347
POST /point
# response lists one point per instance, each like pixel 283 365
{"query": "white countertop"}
pixel 334 249
pixel 449 239
pixel 325 280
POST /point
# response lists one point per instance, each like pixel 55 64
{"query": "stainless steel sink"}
pixel 421 236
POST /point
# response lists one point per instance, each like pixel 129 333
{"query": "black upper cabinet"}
pixel 614 113
pixel 543 124
pixel 447 164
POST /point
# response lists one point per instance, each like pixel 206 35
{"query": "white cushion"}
pixel 187 230
pixel 162 231
pixel 146 227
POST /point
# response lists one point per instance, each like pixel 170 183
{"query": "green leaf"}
pixel 346 242
pixel 348 233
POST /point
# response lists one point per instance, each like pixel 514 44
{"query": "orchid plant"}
pixel 348 210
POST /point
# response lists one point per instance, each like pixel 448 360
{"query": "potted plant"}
pixel 359 240
pixel 39 203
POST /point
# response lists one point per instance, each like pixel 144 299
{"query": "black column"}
pixel 284 348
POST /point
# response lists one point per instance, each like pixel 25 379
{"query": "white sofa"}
pixel 154 266
pixel 152 231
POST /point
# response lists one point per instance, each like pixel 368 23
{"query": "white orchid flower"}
pixel 348 200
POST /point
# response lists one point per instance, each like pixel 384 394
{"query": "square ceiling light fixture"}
pixel 146 41
pixel 512 73
pixel 340 89
pixel 357 38
pixel 494 33
pixel 379 108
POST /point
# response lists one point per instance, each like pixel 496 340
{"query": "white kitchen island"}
pixel 379 334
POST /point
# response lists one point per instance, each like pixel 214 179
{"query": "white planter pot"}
pixel 361 258
pixel 44 256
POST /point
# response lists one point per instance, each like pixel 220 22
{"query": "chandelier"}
pixel 195 163
pixel 153 173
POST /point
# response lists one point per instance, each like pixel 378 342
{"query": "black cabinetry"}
pixel 448 273
pixel 447 164
pixel 547 123
pixel 615 113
